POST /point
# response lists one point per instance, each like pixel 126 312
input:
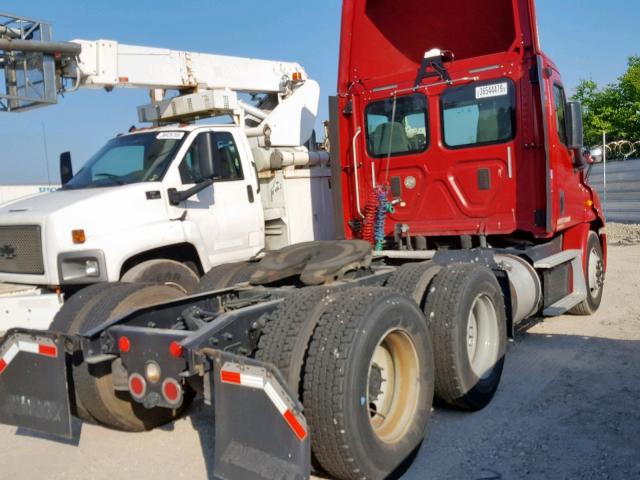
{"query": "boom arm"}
pixel 108 64
pixel 285 100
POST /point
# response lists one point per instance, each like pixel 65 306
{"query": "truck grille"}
pixel 21 250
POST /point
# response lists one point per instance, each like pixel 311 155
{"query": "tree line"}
pixel 614 108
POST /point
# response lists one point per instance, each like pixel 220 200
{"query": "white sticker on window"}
pixel 170 135
pixel 494 90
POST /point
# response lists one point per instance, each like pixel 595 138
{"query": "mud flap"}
pixel 33 382
pixel 260 430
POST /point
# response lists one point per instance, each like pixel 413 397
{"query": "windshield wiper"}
pixel 111 176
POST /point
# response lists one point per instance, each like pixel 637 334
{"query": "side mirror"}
pixel 575 128
pixel 205 154
pixel 597 155
pixel 66 168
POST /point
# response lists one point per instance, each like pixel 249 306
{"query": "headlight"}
pixel 92 268
pixel 82 267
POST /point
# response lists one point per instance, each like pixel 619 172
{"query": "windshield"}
pixel 142 157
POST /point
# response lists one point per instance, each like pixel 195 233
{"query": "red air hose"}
pixel 370 210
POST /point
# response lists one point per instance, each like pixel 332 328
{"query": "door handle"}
pixel 250 194
pixel 255 169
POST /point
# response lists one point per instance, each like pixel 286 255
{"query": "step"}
pixel 557 259
pixel 563 306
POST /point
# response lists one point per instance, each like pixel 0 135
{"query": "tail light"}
pixel 172 391
pixel 124 344
pixel 137 385
pixel 175 349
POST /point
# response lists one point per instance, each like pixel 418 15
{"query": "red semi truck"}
pixel 461 196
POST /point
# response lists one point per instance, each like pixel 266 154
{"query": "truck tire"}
pixel 413 279
pixel 368 383
pixel 467 318
pixel 67 320
pixel 225 276
pixel 594 277
pixel 288 331
pixel 163 271
pixel 94 383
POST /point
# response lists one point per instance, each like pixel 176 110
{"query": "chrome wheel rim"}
pixel 595 272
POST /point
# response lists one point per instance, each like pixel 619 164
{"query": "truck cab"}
pixel 466 122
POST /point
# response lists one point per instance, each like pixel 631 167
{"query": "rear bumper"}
pixel 259 425
pixel 27 307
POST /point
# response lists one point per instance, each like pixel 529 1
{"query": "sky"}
pixel 586 39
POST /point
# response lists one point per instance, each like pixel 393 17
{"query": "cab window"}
pixel 479 114
pixel 226 164
pixel 226 160
pixel 190 166
pixel 397 130
pixel 558 93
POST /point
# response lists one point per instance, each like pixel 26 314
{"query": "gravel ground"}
pixel 623 234
pixel 566 409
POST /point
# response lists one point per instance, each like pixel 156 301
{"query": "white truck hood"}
pixel 94 208
pixel 104 214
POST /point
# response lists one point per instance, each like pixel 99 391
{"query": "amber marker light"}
pixel 78 237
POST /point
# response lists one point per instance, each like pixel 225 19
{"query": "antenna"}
pixel 46 154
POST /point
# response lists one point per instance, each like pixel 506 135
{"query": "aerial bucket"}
pixel 28 63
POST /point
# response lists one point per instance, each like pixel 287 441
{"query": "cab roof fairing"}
pixel 382 40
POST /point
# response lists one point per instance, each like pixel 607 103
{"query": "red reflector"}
pixel 171 392
pixel 3 365
pixel 175 349
pixel 124 344
pixel 136 385
pixel 230 377
pixel 48 350
pixel 293 422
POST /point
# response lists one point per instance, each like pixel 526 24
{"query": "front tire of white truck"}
pixel 368 383
pixel 163 272
pixel 466 314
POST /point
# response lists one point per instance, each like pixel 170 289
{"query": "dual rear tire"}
pixel 466 315
pixel 362 364
pixel 95 397
pixel 465 312
pixel 366 363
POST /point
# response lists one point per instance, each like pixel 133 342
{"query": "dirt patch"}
pixel 623 234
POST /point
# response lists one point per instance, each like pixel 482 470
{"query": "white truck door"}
pixel 228 215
